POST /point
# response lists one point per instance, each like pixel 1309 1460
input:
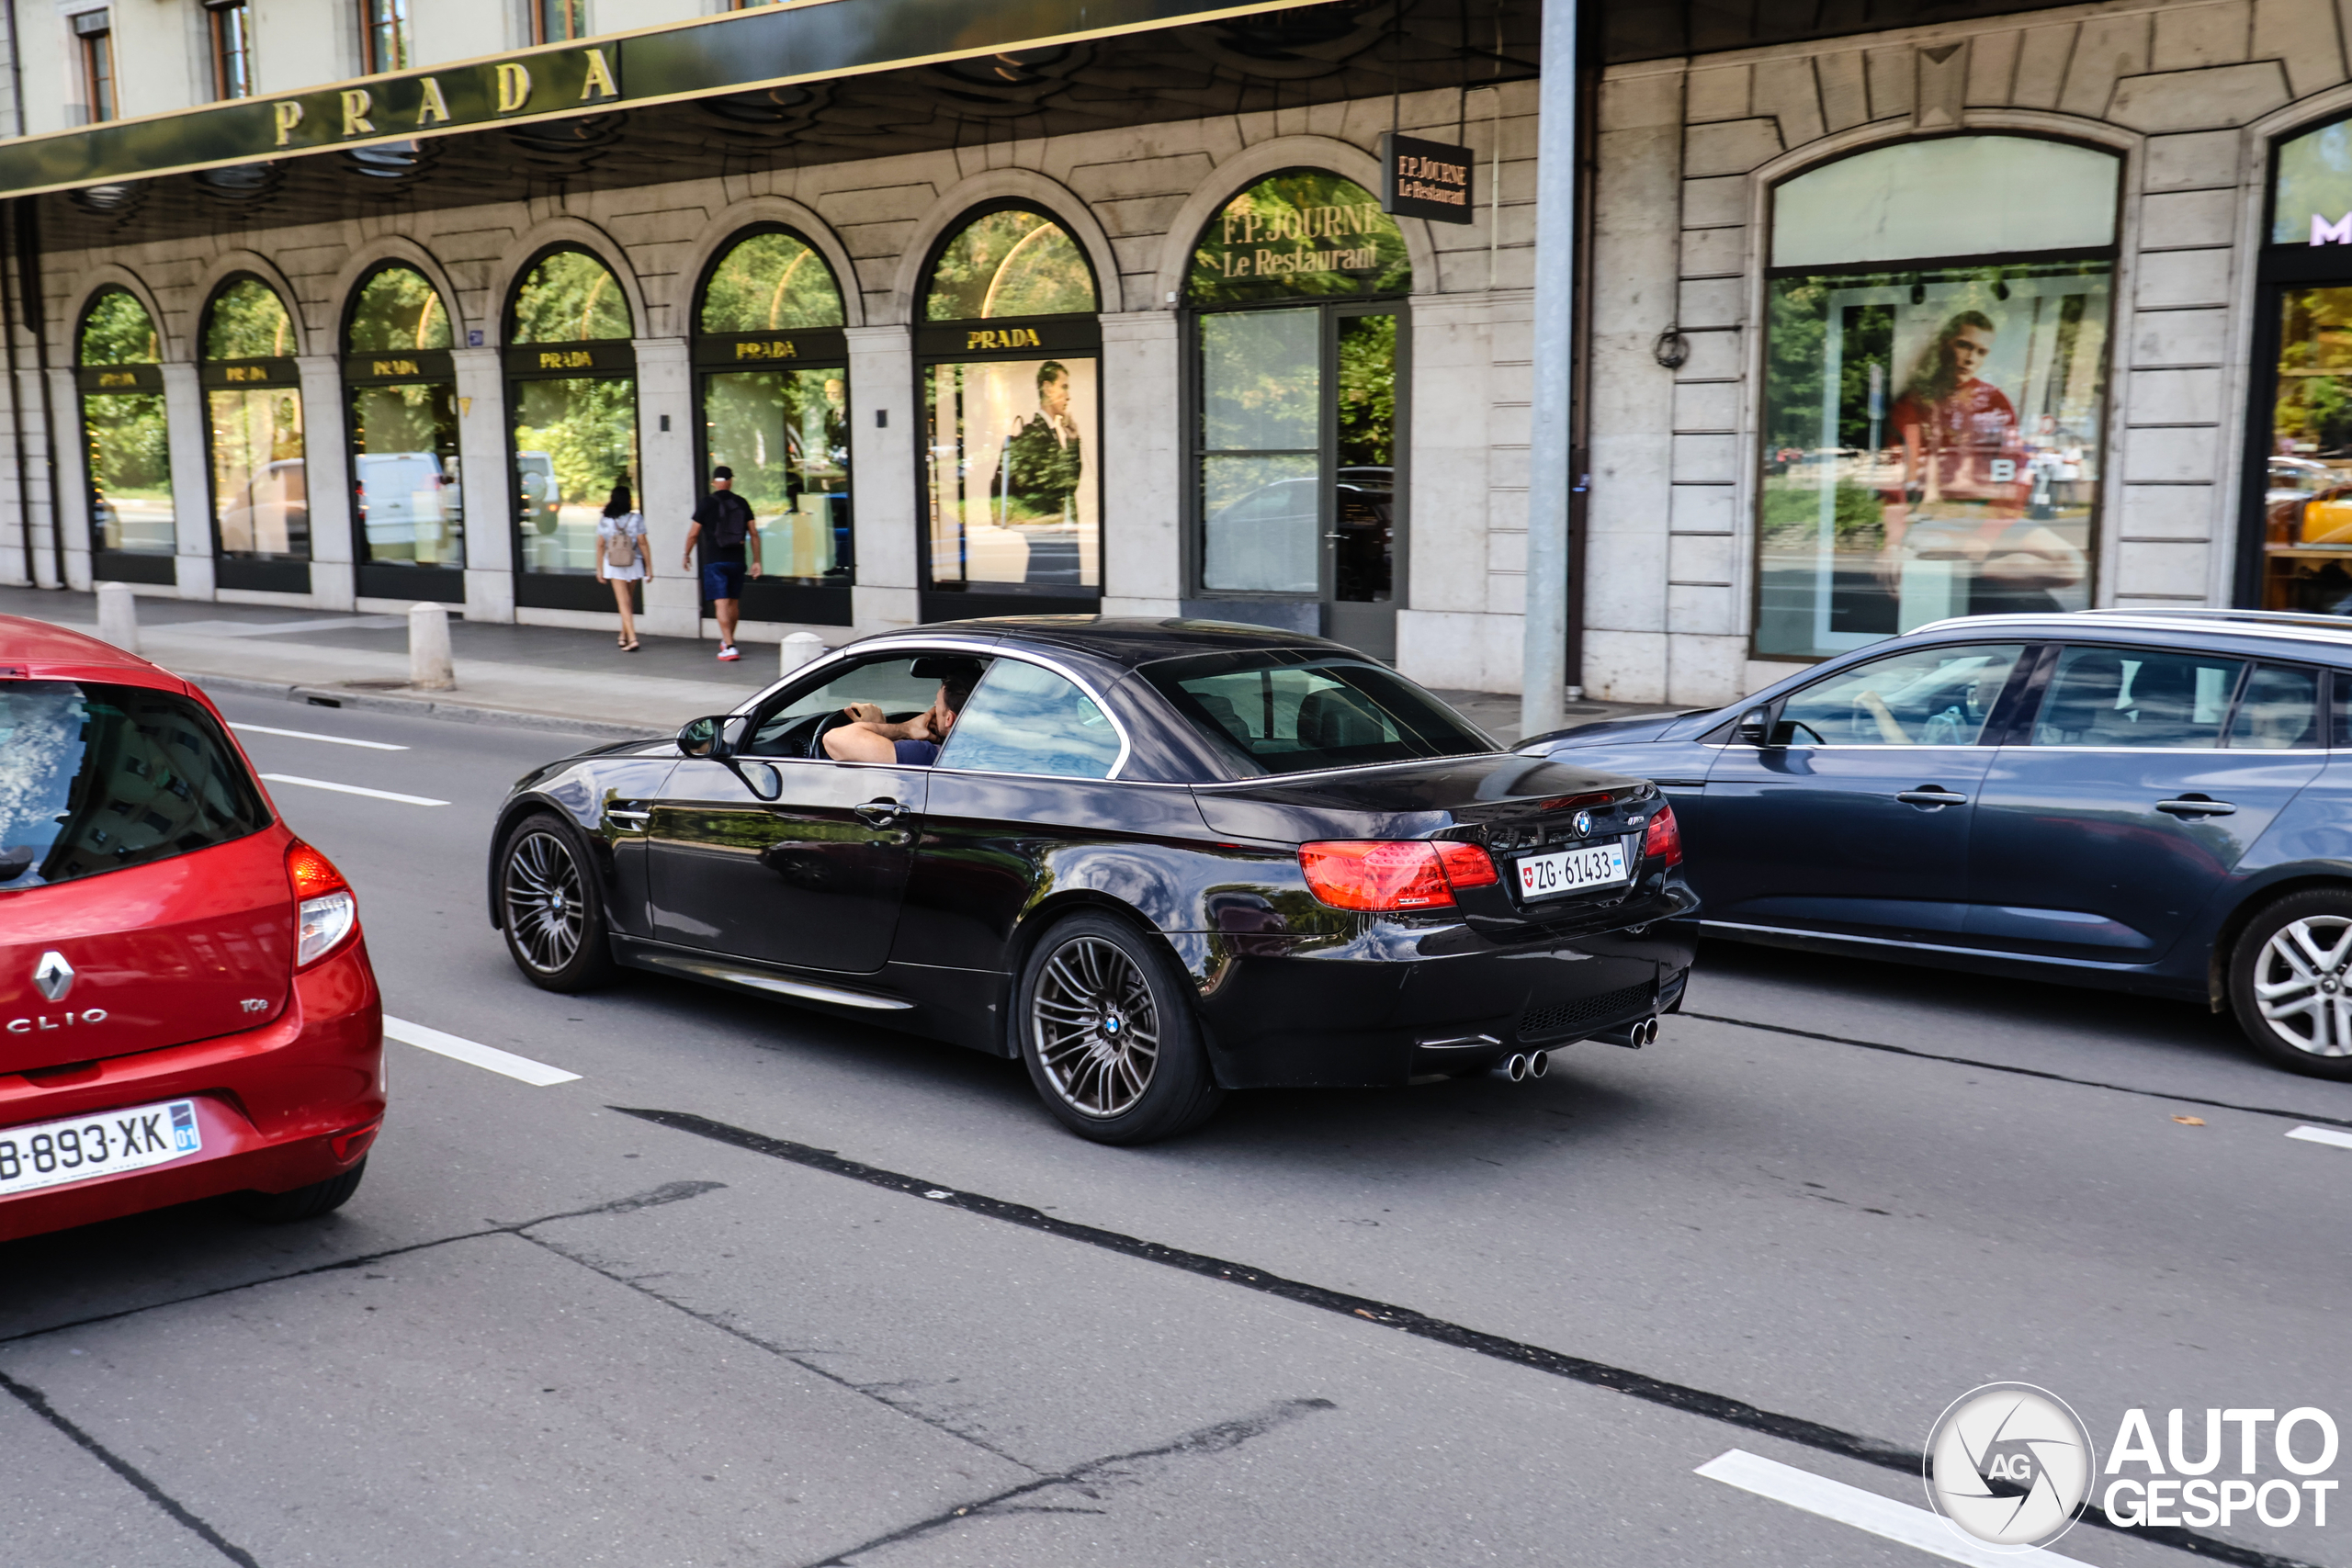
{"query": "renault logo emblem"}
pixel 53 975
pixel 1584 825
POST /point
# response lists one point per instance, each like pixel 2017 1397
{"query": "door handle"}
pixel 2195 805
pixel 878 813
pixel 631 818
pixel 1930 795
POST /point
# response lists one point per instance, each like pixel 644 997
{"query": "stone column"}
pixel 191 479
pixel 486 483
pixel 667 484
pixel 1142 465
pixel 69 509
pixel 326 472
pixel 886 475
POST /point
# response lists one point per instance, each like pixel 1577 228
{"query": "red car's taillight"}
pixel 1393 874
pixel 325 912
pixel 1663 838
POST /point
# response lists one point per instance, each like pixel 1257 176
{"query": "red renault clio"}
pixel 186 1004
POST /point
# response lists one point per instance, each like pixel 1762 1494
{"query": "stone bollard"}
pixel 797 649
pixel 119 616
pixel 428 649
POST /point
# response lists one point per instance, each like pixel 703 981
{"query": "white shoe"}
pixel 727 650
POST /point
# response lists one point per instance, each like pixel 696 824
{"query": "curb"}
pixel 424 707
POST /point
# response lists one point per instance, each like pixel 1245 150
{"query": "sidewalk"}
pixel 540 677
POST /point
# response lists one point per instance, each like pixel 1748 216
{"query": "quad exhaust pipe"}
pixel 1520 1066
pixel 1633 1036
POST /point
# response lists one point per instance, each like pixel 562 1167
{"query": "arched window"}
pixel 773 366
pixel 2295 530
pixel 126 439
pixel 253 406
pixel 408 509
pixel 1009 355
pixel 1935 389
pixel 572 409
pixel 1298 325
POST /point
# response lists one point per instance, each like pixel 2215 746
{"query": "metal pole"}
pixel 1545 673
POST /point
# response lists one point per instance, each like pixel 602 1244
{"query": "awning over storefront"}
pixel 775 87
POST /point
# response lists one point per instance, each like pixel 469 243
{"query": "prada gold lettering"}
pixel 775 348
pixel 116 378
pixel 356 103
pixel 566 359
pixel 513 87
pixel 600 82
pixel 241 373
pixel 393 368
pixel 1005 337
pixel 289 115
pixel 434 110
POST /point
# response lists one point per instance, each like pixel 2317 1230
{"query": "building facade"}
pixel 1096 307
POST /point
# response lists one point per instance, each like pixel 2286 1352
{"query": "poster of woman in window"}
pixel 1933 450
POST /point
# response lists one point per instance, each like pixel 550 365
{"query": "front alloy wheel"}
pixel 2290 983
pixel 1105 1025
pixel 551 908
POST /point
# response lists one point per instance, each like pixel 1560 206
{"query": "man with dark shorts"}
pixel 728 516
pixel 911 743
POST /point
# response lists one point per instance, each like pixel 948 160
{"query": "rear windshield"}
pixel 93 778
pixel 1282 712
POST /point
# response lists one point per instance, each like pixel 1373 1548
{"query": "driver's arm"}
pixel 1890 729
pixel 860 743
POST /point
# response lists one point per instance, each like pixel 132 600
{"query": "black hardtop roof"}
pixel 1127 641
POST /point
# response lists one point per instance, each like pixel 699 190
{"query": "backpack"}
pixel 620 545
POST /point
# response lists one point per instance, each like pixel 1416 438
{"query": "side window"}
pixel 1929 696
pixel 787 726
pixel 2279 711
pixel 1026 719
pixel 2137 696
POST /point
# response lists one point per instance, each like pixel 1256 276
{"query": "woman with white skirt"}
pixel 621 557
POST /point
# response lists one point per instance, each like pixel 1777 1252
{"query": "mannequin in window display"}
pixel 1037 476
pixel 1964 534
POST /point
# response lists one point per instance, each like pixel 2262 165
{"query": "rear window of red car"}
pixel 93 778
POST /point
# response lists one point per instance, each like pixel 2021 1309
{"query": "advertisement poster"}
pixel 1014 486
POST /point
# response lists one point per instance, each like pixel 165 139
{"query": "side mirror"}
pixel 1755 727
pixel 715 737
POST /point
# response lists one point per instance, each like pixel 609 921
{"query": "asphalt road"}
pixel 758 1287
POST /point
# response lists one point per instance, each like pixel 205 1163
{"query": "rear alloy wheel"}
pixel 303 1202
pixel 551 907
pixel 2290 983
pixel 1107 1030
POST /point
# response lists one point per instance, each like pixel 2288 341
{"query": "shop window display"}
pixel 2302 468
pixel 124 428
pixel 407 500
pixel 571 403
pixel 1933 435
pixel 260 509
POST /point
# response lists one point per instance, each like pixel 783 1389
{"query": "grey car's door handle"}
pixel 878 813
pixel 2195 805
pixel 1930 795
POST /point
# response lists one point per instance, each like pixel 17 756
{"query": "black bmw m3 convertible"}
pixel 1155 860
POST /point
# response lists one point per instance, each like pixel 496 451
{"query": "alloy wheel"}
pixel 2301 985
pixel 1096 1029
pixel 545 906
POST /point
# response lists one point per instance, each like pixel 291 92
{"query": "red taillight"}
pixel 1393 874
pixel 1663 838
pixel 311 872
pixel 325 912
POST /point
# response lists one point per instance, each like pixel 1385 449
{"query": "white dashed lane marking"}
pixel 2335 1135
pixel 312 735
pixel 474 1054
pixel 354 789
pixel 1867 1511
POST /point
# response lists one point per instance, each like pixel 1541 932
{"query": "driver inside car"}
pixel 869 737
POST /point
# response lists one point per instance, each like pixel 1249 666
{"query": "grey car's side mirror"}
pixel 715 737
pixel 1755 727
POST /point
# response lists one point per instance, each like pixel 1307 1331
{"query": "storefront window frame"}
pixel 586 359
pixel 408 367
pixel 114 378
pixel 288 573
pixel 1330 309
pixel 1759 393
pixel 1064 335
pixel 771 596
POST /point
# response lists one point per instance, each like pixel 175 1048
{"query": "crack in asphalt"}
pixel 2041 1072
pixel 1095 1476
pixel 1406 1320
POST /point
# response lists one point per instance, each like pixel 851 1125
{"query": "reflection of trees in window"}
pixel 1014 263
pixel 398 309
pixel 2314 408
pixel 1367 410
pixel 771 282
pixel 569 297
pixel 117 330
pixel 586 426
pixel 130 449
pixel 248 321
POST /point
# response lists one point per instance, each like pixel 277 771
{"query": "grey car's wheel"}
pixel 2291 982
pixel 1107 1030
pixel 551 907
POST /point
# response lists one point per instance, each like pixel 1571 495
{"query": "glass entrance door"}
pixel 2307 485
